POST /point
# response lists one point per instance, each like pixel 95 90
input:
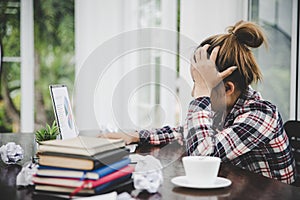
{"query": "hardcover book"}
pixel 79 162
pixel 81 145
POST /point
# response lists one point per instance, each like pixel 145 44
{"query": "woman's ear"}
pixel 229 88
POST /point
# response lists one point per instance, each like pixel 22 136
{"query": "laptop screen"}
pixel 63 111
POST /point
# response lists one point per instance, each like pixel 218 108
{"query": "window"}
pixel 148 96
pixel 276 19
pixel 10 73
pixel 53 30
pixel 54 52
pixel 53 61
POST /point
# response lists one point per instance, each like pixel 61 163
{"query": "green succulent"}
pixel 47 133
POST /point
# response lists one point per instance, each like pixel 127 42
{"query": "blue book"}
pixel 46 171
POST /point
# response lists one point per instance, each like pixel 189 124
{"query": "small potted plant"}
pixel 47 133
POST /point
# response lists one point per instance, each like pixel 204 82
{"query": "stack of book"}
pixel 82 165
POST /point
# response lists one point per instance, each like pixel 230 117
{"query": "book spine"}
pixel 120 173
pixel 112 184
pixel 113 176
pixel 103 171
pixel 109 158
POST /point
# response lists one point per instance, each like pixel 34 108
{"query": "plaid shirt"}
pixel 252 136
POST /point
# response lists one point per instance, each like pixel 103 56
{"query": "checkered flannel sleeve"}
pixel 162 135
pixel 250 129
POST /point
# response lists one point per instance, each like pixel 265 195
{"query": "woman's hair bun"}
pixel 248 33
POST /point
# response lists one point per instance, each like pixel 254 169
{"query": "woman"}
pixel 227 118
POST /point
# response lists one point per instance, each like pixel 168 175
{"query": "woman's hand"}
pixel 204 72
pixel 127 137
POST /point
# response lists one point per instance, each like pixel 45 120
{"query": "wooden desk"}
pixel 245 185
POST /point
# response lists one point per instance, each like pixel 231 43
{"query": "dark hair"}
pixel 235 51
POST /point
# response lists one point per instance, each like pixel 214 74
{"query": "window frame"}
pixel 295 72
pixel 27 66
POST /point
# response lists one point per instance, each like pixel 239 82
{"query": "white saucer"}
pixel 182 181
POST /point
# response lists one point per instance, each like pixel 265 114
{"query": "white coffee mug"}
pixel 201 170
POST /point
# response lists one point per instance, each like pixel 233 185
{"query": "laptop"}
pixel 63 111
pixel 64 116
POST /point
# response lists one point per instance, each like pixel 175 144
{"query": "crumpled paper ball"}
pixel 24 178
pixel 148 174
pixel 11 153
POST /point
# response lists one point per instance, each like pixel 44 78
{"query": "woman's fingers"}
pixel 214 54
pixel 227 72
pixel 204 71
pixel 197 55
pixel 203 52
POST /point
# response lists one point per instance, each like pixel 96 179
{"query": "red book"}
pixel 113 176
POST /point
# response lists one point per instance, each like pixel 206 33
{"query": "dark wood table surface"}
pixel 245 184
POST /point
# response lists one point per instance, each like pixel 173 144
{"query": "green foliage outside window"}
pixel 53 54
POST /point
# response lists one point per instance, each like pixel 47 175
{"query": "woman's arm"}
pixel 155 136
pixel 161 135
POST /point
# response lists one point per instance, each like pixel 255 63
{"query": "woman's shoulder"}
pixel 253 101
pixel 260 105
